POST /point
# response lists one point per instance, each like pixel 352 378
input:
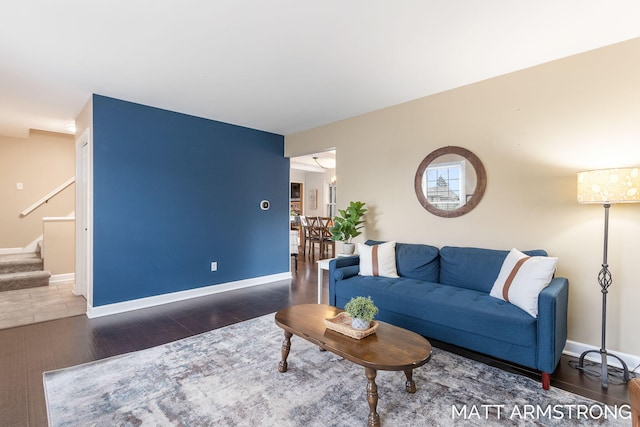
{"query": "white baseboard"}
pixel 575 349
pixel 57 278
pixel 122 307
pixel 31 247
pixel 11 251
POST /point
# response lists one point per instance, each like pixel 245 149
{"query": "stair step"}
pixel 20 263
pixel 24 280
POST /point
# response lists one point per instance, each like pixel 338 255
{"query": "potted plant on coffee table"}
pixel 362 311
pixel 348 225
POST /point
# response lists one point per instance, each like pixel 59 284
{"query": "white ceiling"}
pixel 280 65
pixel 315 162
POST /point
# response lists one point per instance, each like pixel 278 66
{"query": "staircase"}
pixel 21 271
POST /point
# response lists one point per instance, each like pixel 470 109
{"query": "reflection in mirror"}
pixel 450 181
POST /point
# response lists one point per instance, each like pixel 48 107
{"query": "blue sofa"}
pixel 444 294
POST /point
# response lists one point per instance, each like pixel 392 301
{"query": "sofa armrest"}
pixel 553 304
pixel 341 268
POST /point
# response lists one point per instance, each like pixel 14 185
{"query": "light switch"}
pixel 19 186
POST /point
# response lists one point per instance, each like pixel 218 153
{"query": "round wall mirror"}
pixel 450 182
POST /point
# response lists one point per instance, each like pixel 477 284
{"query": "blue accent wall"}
pixel 173 192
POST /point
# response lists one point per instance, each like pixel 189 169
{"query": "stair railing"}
pixel 46 198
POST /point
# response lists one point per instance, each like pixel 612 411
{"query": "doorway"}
pixel 84 217
pixel 313 190
pixel 39 282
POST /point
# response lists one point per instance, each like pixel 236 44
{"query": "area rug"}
pixel 229 377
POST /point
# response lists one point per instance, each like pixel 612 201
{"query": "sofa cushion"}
pixel 522 278
pixel 378 260
pixel 453 307
pixel 474 268
pixel 416 261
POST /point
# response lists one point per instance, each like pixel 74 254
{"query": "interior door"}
pixel 83 216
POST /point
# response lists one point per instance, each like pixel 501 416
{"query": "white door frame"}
pixel 84 217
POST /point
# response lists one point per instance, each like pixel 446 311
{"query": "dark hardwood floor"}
pixel 28 351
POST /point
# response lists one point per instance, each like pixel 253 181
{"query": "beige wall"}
pixel 59 246
pixel 319 182
pixel 533 130
pixel 41 163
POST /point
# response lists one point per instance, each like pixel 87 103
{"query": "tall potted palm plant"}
pixel 348 225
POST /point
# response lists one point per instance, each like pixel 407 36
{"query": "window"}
pixel 331 203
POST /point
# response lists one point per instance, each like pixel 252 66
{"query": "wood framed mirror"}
pixel 450 181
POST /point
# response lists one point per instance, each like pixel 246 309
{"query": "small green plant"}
pixel 349 223
pixel 361 308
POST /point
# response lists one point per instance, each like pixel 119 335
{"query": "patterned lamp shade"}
pixel 609 186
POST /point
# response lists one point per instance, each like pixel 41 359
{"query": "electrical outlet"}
pixel 214 266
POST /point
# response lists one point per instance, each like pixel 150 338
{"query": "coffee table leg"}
pixel 286 346
pixel 372 397
pixel 410 385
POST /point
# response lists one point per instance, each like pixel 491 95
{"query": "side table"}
pixel 323 264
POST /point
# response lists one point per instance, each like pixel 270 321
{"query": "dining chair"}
pixel 304 234
pixel 326 223
pixel 294 243
pixel 315 236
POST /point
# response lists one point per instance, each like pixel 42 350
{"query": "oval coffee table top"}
pixel 390 348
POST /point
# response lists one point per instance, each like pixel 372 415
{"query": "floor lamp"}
pixel 607 187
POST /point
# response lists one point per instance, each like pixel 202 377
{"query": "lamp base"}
pixel 604 366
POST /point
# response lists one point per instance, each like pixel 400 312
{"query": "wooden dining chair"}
pixel 326 223
pixel 315 236
pixel 304 234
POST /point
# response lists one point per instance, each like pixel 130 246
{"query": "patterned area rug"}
pixel 229 377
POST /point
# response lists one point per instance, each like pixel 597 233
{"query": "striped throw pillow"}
pixel 522 278
pixel 378 260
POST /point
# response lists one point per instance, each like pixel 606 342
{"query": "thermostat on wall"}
pixel 264 205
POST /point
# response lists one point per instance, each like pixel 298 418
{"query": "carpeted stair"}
pixel 22 271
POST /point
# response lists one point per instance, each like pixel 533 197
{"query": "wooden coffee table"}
pixel 390 349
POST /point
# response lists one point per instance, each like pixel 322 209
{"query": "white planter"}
pixel 360 324
pixel 348 248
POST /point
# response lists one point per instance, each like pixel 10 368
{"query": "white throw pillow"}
pixel 378 260
pixel 522 278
